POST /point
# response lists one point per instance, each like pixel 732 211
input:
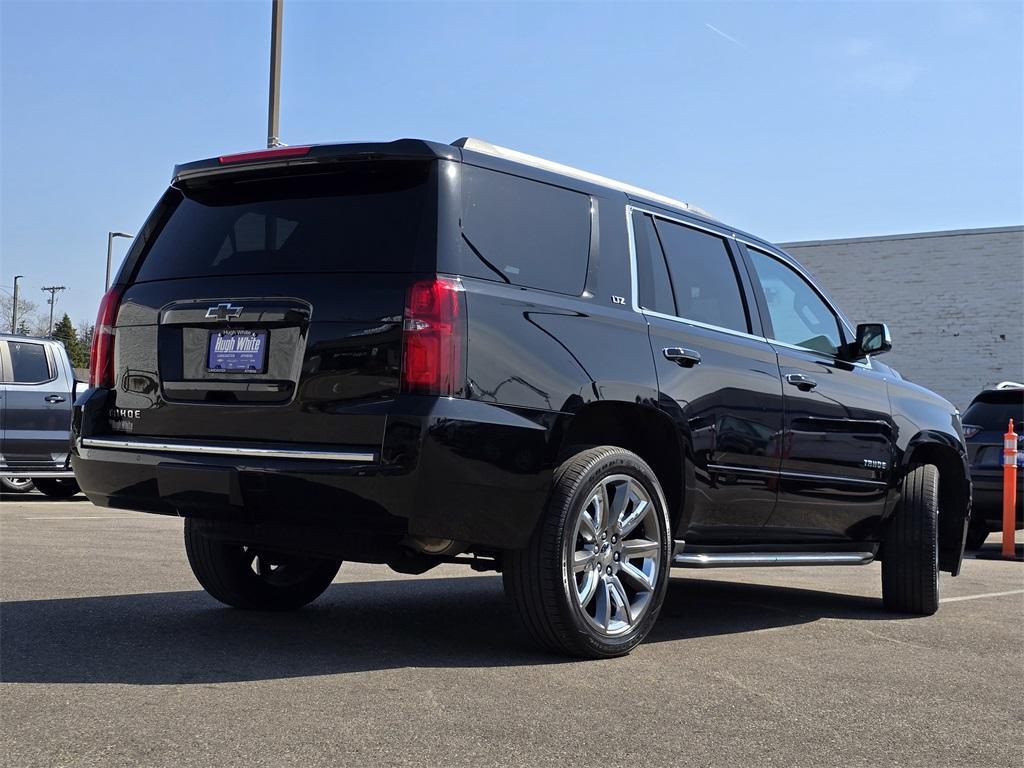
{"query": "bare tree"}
pixel 26 310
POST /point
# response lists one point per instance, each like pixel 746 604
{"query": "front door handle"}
pixel 798 380
pixel 684 357
pixel 54 399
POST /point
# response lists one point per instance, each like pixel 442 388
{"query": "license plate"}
pixel 237 352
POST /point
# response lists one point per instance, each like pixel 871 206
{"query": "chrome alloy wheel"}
pixel 613 557
pixel 18 484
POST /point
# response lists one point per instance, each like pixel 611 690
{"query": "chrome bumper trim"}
pixel 225 450
pixel 46 474
pixel 740 559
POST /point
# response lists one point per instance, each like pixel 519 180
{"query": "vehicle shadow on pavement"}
pixel 187 638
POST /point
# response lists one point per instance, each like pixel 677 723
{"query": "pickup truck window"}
pixel 28 363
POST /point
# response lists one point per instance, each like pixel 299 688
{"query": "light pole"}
pixel 110 248
pixel 276 20
pixel 14 312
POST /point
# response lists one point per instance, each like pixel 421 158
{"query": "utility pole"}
pixel 277 16
pixel 53 290
pixel 14 312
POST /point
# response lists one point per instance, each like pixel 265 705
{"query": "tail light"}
pixel 433 338
pixel 101 356
pixel 264 154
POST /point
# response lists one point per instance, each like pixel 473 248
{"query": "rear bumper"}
pixel 447 468
pixel 987 497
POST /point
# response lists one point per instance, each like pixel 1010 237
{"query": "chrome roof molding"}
pixel 485 147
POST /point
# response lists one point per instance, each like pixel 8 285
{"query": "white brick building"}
pixel 953 300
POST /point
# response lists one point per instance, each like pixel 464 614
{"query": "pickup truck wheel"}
pixel 244 577
pixel 15 484
pixel 57 487
pixel 593 576
pixel 910 565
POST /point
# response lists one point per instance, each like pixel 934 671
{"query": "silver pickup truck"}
pixel 37 389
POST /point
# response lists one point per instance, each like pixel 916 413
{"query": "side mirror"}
pixel 872 339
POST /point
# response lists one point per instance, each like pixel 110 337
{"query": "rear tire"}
pixel 15 485
pixel 910 565
pixel 57 487
pixel 593 576
pixel 243 577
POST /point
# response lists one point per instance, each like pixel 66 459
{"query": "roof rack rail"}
pixel 479 145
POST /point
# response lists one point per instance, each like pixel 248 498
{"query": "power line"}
pixel 53 291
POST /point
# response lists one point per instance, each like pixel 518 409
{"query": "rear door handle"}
pixel 54 399
pixel 798 380
pixel 684 357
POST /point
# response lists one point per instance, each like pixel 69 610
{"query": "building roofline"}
pixel 908 236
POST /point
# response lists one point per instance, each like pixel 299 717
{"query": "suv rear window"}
pixel 372 218
pixel 533 234
pixel 996 410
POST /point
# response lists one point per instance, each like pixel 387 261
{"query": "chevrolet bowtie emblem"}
pixel 223 312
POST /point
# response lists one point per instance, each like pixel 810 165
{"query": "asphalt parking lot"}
pixel 111 655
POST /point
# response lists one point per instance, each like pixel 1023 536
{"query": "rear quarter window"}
pixel 531 234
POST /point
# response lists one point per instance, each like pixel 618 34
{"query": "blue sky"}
pixel 791 120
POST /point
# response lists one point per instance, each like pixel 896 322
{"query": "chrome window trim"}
pixel 634 280
pixel 796 267
pixel 790 262
pixel 698 324
pixel 635 297
pixel 828 357
pixel 225 450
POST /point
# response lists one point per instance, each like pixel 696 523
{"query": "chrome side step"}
pixel 741 559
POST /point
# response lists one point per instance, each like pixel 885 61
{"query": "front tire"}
pixel 593 576
pixel 910 566
pixel 252 579
pixel 57 487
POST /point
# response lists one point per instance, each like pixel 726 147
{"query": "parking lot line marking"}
pixel 86 517
pixel 979 597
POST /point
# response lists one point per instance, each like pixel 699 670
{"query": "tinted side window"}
pixel 704 278
pixel 652 275
pixel 28 363
pixel 798 314
pixel 533 234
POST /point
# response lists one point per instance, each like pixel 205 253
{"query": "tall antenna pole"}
pixel 53 290
pixel 277 17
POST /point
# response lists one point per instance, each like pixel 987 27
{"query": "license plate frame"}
pixel 234 351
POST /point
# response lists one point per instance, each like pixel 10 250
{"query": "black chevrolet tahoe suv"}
pixel 414 353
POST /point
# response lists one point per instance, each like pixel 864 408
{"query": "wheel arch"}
pixel 646 431
pixel 954 495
